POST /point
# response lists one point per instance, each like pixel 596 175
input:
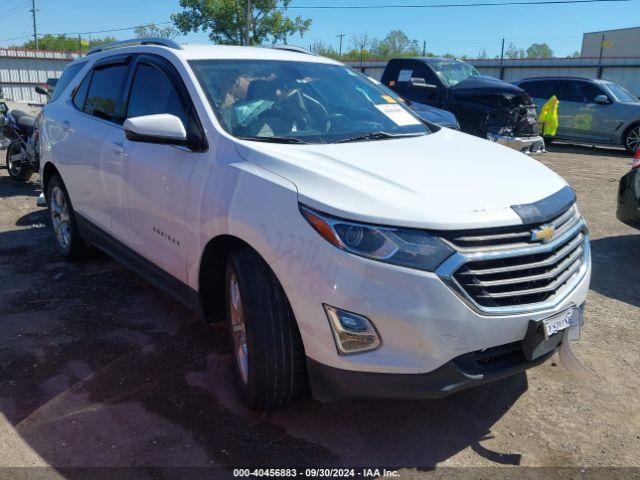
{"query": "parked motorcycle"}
pixel 19 137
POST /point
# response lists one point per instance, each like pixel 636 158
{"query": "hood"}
pixel 434 115
pixel 445 180
pixel 485 85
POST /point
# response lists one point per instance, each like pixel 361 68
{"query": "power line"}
pixel 87 33
pixel 448 5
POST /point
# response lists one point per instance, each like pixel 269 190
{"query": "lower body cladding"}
pixel 528 145
pixel 430 343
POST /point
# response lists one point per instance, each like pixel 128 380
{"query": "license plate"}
pixel 567 319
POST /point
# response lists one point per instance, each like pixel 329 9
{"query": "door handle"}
pixel 66 125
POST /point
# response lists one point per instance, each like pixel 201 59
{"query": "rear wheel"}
pixel 631 139
pixel 63 221
pixel 268 355
pixel 17 163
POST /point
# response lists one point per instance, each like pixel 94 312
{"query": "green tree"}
pixel 396 44
pixel 539 50
pixel 153 30
pixel 63 43
pixel 240 22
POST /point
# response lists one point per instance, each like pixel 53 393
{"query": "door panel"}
pixel 156 177
pixel 90 125
pixel 584 119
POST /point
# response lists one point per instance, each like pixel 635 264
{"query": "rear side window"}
pixel 541 89
pixel 67 76
pixel 152 92
pixel 105 90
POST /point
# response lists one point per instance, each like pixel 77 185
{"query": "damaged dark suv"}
pixel 485 106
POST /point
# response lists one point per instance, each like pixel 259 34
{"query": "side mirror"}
pixel 602 99
pixel 42 91
pixel 422 83
pixel 161 128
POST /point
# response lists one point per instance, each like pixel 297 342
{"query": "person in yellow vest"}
pixel 549 117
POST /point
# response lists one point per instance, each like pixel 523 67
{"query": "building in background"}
pixel 623 42
pixel 22 70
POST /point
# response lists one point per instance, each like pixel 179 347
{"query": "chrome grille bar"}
pixel 576 255
pixel 549 288
pixel 554 258
pixel 508 238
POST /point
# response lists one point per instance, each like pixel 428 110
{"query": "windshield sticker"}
pixel 405 75
pixel 398 115
pixel 389 98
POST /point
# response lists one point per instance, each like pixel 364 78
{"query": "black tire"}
pixel 75 248
pixel 276 368
pixel 22 174
pixel 631 135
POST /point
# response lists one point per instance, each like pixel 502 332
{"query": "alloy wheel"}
pixel 60 217
pixel 238 329
pixel 633 139
pixel 12 157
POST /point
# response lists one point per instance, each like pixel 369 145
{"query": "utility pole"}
pixel 249 18
pixel 35 31
pixel 502 60
pixel 80 44
pixel 340 36
pixel 600 57
pixel 424 48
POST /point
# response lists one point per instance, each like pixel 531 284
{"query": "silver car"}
pixel 590 111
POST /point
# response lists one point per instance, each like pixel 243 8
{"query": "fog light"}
pixel 353 333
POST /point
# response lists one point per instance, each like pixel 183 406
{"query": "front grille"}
pixel 537 275
pixel 508 237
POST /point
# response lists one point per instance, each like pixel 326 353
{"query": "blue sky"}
pixel 457 30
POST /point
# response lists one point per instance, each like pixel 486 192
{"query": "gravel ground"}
pixel 98 368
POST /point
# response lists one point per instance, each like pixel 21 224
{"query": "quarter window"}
pixel 103 98
pixel 67 76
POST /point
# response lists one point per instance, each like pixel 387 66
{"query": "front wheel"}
pixel 16 162
pixel 268 354
pixel 631 139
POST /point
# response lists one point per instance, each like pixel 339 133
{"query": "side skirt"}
pixel 140 265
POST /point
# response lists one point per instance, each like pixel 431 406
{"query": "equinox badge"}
pixel 543 234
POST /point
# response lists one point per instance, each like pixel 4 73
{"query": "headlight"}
pixel 406 247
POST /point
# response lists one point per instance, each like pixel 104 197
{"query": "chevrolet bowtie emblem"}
pixel 543 234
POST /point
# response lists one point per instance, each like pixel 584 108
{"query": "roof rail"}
pixel 291 48
pixel 165 42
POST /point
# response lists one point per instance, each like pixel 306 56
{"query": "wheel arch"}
pixel 211 273
pixel 626 131
pixel 48 171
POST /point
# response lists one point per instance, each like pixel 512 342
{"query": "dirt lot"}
pixel 98 368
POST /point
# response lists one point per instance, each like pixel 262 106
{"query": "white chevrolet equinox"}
pixel 348 245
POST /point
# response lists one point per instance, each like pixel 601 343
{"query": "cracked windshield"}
pixel 296 102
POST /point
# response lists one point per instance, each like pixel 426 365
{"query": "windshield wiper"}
pixel 380 135
pixel 276 139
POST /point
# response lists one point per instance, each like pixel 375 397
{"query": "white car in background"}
pixel 346 244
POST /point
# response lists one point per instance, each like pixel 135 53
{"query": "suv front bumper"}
pixel 527 145
pixel 330 384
